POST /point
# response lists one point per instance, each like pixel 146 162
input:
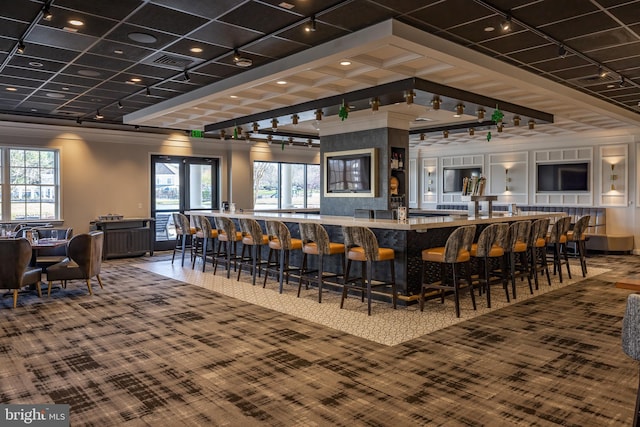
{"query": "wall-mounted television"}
pixel 452 178
pixel 350 173
pixel 562 177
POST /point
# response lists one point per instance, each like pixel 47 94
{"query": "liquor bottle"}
pixel 400 162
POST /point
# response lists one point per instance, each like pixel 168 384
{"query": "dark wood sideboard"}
pixel 127 237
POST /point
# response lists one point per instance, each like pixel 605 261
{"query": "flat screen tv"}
pixel 563 177
pixel 350 172
pixel 452 178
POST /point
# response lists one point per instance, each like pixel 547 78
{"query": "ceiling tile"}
pixel 602 40
pixel 441 13
pixel 58 38
pixel 355 15
pixel 129 52
pixel 95 26
pixel 205 8
pixel 574 27
pixel 13 29
pixel 547 11
pixel 259 17
pixel 113 9
pixel 628 13
pixel 31 62
pixel 218 70
pixel 222 34
pixel 165 19
pixel 514 42
pixel 121 34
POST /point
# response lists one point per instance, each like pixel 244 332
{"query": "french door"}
pixel 180 184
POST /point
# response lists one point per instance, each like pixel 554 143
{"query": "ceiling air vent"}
pixel 173 61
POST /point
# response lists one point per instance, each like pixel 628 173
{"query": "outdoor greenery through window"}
pixel 285 185
pixel 33 189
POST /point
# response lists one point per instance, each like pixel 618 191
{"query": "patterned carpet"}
pixel 149 350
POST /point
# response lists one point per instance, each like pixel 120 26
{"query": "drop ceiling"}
pixel 128 62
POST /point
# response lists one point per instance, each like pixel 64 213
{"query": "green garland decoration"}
pixel 497 115
pixel 343 113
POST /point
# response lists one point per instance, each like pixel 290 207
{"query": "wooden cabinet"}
pixel 127 237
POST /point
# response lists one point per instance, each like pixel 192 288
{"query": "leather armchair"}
pixel 15 272
pixel 83 262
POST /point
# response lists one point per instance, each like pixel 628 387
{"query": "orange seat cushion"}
pixel 248 240
pixel 495 251
pixel 520 247
pixel 296 244
pixel 200 234
pixel 357 254
pixel 437 255
pixel 311 248
pixel 222 236
pixel 540 242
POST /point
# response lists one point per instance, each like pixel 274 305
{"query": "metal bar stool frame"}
pixel 229 237
pixel 252 238
pixel 280 240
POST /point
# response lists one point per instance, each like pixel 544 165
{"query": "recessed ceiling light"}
pixel 36 64
pixel 345 63
pixel 489 28
pixel 55 95
pixel 76 22
pixel 12 89
pixel 233 96
pixel 136 79
pixel 281 82
pixel 118 51
pixel 34 110
pixel 286 5
pixel 610 86
pixel 196 49
pixel 65 88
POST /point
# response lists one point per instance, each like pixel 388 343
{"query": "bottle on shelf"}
pixel 400 162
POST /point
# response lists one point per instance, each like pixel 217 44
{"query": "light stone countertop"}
pixel 411 224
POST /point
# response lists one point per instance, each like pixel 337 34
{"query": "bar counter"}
pixel 408 238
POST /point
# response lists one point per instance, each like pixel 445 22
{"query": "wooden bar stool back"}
pixel 252 238
pixel 558 240
pixel 184 236
pixel 488 250
pixel 578 236
pixel 454 254
pixel 518 254
pixel 229 237
pixel 361 245
pixel 315 241
pixel 538 249
pixel 280 241
pixel 205 233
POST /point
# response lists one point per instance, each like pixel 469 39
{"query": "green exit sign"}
pixel 197 133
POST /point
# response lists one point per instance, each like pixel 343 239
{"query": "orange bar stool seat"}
pixel 229 237
pixel 253 239
pixel 280 241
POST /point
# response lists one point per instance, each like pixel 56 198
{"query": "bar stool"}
pixel 558 239
pixel 184 235
pixel 454 254
pixel 518 255
pixel 252 238
pixel 280 240
pixel 577 236
pixel 229 236
pixel 361 245
pixel 488 249
pixel 315 241
pixel 201 242
pixel 538 249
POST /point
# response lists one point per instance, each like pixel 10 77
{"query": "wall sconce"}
pixel 613 177
pixel 435 102
pixel 507 179
pixel 532 124
pixel 429 182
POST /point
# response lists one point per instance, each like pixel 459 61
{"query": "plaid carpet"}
pixel 149 350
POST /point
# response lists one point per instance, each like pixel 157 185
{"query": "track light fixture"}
pixel 562 51
pixel 311 25
pixel 459 110
pixel 223 134
pixel 532 124
pixel 506 24
pixel 148 91
pixel 375 104
pixel 480 112
pixel 309 143
pixel 318 115
pixel 516 120
pixel 120 106
pixel 445 134
pixel 500 127
pixel 435 102
pixel 247 137
pixel 294 120
pixel 21 47
pixel 240 61
pixel 274 125
pixel 186 76
pixel 255 127
pixel 78 120
pixel 98 115
pixel 422 137
pixel 472 131
pixel 290 140
pixel 621 81
pixel 602 73
pixel 409 96
pixel 46 13
pixel 270 139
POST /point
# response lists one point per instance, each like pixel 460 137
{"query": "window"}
pixel 285 185
pixel 32 192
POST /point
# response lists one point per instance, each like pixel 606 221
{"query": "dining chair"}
pixel 83 262
pixel 577 236
pixel 15 272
